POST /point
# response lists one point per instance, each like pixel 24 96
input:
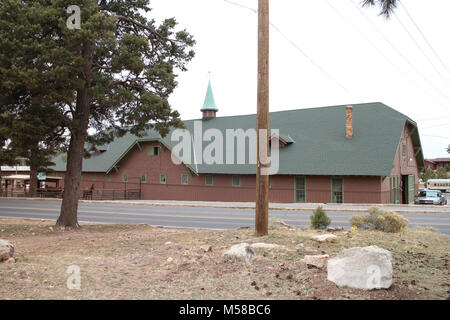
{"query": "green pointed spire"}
pixel 209 103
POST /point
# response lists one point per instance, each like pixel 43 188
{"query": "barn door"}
pixel 411 188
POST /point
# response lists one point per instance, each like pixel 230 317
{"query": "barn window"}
pixel 403 149
pixel 162 178
pixel 209 180
pixel 153 151
pixel 125 177
pixel 300 189
pixel 184 179
pixel 236 181
pixel 144 178
pixel 337 190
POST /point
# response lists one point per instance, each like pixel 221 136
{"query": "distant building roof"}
pixel 317 142
pixel 18 177
pixel 15 168
pixel 438 160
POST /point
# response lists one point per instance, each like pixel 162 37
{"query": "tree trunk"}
pixel 72 180
pixel 33 180
pixel 69 207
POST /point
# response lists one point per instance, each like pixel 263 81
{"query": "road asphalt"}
pixel 209 217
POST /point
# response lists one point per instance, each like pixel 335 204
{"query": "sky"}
pixel 322 53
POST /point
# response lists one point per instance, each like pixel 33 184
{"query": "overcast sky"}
pixel 323 53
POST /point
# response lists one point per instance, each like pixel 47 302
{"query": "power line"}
pixel 313 62
pixel 398 51
pixel 431 119
pixel 303 53
pixel 420 48
pixel 241 5
pixel 382 54
pixel 437 126
pixel 424 37
pixel 441 137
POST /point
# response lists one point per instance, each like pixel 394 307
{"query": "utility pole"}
pixel 262 178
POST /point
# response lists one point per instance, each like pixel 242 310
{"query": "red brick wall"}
pixel 429 164
pixel 402 165
pixel 357 189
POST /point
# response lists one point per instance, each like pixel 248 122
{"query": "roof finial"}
pixel 209 108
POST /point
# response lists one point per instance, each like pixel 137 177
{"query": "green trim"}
pixel 390 189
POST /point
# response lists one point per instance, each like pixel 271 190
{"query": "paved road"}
pixel 190 217
pixel 402 208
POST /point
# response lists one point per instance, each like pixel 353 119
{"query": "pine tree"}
pixel 116 72
pixel 30 117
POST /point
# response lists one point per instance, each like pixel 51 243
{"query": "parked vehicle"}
pixel 438 184
pixel 422 185
pixel 431 197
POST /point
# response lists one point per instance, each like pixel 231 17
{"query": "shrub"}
pixel 387 221
pixel 359 221
pixel 319 219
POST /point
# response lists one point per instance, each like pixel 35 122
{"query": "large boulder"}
pixel 6 250
pixel 241 253
pixel 362 268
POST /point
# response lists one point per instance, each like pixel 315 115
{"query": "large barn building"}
pixel 366 153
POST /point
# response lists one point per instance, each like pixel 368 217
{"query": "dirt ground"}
pixel 143 262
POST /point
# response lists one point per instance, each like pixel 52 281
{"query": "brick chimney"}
pixel 349 122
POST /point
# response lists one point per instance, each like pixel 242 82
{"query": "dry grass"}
pixel 131 262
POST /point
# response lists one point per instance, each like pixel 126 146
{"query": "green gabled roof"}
pixel 209 103
pixel 318 145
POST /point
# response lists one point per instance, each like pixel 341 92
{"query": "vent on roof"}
pixel 283 141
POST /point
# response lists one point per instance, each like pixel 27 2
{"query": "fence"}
pixel 111 194
pixel 89 190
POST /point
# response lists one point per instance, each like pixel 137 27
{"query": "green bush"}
pixel 319 219
pixel 387 221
